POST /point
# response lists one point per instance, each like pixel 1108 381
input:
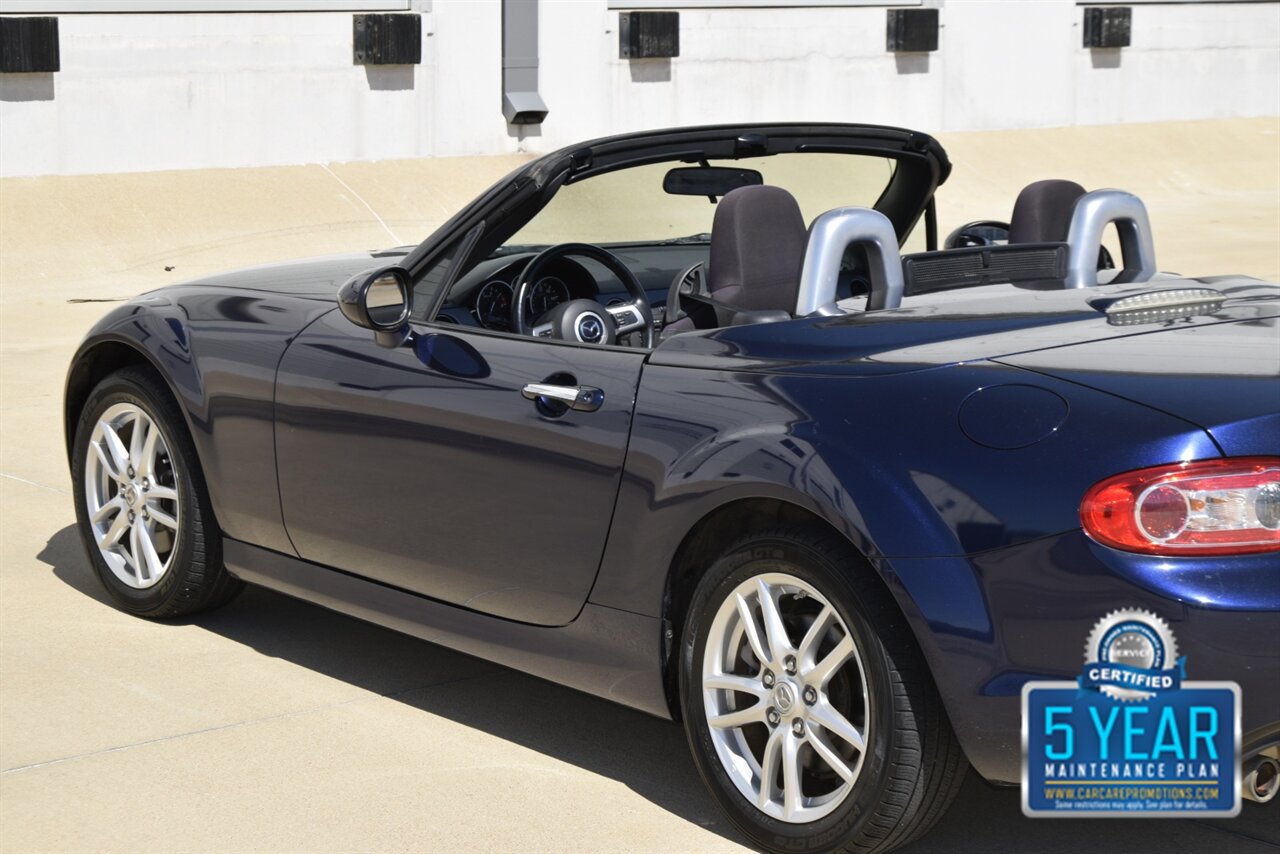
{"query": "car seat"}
pixel 758 241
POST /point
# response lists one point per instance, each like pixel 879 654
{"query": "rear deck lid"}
pixel 999 322
pixel 1223 376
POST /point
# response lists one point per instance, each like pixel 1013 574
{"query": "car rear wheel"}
pixel 808 708
pixel 141 502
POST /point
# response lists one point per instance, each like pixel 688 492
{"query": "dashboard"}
pixel 492 303
pixel 482 296
pixel 487 291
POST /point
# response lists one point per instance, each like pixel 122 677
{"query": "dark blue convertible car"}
pixel 705 421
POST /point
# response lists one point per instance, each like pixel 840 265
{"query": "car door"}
pixel 426 467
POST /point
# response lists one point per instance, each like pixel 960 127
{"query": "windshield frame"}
pixel 502 210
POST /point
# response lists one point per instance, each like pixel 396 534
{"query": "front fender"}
pixel 217 349
pixel 150 329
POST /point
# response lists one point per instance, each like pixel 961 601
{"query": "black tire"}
pixel 196 579
pixel 912 769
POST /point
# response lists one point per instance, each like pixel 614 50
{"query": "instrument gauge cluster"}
pixel 492 306
pixel 547 293
pixel 491 303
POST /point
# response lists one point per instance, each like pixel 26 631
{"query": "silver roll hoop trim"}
pixel 829 236
pixel 1092 214
pixel 834 231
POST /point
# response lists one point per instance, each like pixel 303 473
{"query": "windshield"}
pixel 631 206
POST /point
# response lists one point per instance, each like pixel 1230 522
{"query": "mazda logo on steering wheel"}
pixel 590 329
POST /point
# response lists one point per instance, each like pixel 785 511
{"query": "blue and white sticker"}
pixel 1132 655
pixel 1131 737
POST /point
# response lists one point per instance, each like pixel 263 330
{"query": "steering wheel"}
pixel 690 280
pixel 583 320
pixel 983 232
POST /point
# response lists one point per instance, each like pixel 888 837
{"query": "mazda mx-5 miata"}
pixel 705 422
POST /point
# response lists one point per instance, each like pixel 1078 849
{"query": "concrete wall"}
pixel 112 236
pixel 148 92
pixel 141 92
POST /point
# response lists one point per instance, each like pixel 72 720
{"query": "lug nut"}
pixel 797 727
pixel 789 663
pixel 772 716
pixel 146 484
pixel 130 471
pixel 131 516
pixel 810 696
pixel 768 678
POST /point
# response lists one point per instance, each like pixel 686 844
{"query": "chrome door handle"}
pixel 580 397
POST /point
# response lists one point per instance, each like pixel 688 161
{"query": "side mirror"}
pixel 379 300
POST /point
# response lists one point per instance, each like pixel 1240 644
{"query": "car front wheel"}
pixel 141 503
pixel 809 710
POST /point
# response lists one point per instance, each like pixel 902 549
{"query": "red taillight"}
pixel 1212 507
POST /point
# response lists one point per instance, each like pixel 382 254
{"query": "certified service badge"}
pixel 1130 736
pixel 1131 655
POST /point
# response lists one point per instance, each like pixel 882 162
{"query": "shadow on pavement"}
pixel 989 819
pixel 647 755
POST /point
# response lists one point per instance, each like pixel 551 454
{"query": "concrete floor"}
pixel 275 725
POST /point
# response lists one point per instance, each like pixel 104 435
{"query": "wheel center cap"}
pixel 784 697
pixel 131 495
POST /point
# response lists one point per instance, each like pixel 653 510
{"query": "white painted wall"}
pixel 141 92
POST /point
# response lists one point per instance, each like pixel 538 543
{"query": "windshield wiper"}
pixel 704 237
pixel 516 249
pixel 521 248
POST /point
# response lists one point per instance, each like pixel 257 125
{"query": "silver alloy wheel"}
pixel 776 706
pixel 131 494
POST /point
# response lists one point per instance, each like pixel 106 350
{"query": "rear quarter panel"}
pixel 882 458
pixel 975 543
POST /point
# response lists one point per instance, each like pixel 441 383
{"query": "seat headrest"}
pixel 758 240
pixel 1042 213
